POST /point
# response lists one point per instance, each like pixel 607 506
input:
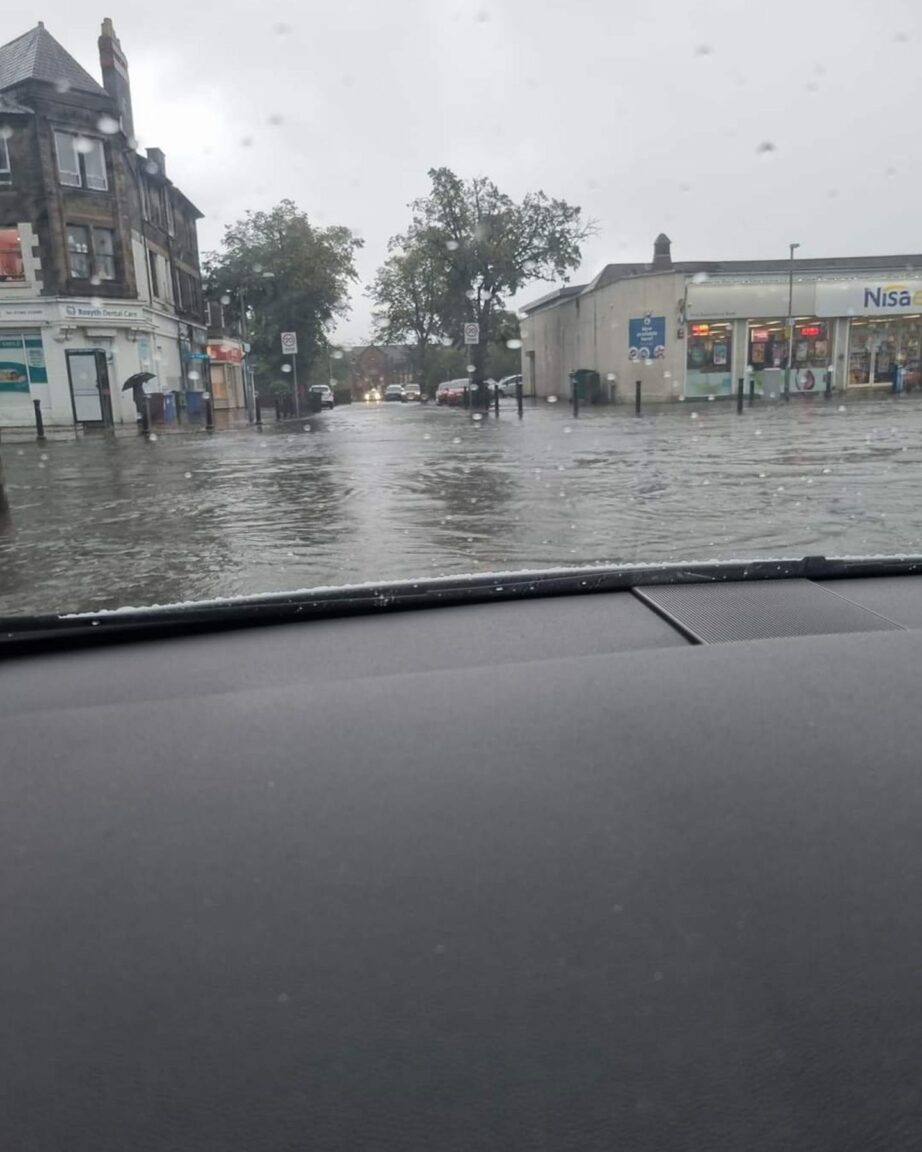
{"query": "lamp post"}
pixel 787 369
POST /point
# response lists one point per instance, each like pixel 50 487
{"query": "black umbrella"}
pixel 138 380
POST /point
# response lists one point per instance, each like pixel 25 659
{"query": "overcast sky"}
pixel 733 134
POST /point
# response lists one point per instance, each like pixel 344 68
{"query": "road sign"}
pixel 289 343
pixel 471 333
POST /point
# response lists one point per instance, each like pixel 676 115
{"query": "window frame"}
pixel 92 255
pixel 6 169
pixel 80 176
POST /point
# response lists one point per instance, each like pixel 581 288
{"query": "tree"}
pixel 482 248
pixel 407 291
pixel 289 276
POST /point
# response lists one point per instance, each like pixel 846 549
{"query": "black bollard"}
pixel 518 398
pixel 278 410
pixel 739 395
pixel 209 414
pixel 828 389
pixel 752 390
pixel 574 390
pixel 637 387
pixel 496 399
pixel 177 408
pixel 145 416
pixel 39 422
pixel 258 411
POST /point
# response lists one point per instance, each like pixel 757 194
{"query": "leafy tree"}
pixel 481 247
pixel 289 276
pixel 408 291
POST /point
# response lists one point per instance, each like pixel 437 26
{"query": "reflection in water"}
pixel 400 491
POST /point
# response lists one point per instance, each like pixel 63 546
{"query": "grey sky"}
pixel 650 117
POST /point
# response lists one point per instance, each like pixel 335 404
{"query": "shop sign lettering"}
pixel 892 296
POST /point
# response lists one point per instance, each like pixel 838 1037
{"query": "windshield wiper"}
pixel 20 634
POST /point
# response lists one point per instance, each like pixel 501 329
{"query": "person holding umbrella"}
pixel 136 384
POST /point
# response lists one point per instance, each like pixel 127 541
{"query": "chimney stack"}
pixel 115 75
pixel 662 255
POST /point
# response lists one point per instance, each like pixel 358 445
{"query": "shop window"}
pixel 886 352
pixel 768 346
pixel 6 171
pixel 81 161
pixel 708 365
pixel 11 266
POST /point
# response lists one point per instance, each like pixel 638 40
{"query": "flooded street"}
pixel 398 491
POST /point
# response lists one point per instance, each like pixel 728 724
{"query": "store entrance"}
pixel 88 374
pixel 885 352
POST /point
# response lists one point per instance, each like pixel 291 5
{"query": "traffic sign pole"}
pixel 294 372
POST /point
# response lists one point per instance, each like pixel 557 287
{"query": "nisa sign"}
pixel 885 296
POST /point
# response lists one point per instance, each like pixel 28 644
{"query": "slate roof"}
pixel 36 55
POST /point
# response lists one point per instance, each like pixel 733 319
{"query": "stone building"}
pixel 99 260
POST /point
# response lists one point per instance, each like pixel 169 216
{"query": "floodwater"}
pixel 398 491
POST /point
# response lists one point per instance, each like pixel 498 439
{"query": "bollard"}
pixel 518 398
pixel 574 391
pixel 258 411
pixel 209 413
pixel 828 389
pixel 278 410
pixel 145 416
pixel 637 387
pixel 496 399
pixel 739 395
pixel 39 422
pixel 177 407
pixel 752 390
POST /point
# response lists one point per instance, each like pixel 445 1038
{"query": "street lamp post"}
pixel 787 369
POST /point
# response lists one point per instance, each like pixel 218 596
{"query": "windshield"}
pixel 392 291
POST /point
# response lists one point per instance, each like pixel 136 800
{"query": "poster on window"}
pixel 720 354
pixel 14 376
pixel 647 338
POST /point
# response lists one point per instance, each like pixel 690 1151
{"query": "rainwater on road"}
pixel 398 491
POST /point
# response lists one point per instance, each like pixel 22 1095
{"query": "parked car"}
pixel 507 385
pixel 373 396
pixel 325 392
pixel 452 392
pixel 412 392
pixel 394 392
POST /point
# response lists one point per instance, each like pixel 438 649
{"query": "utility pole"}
pixel 787 370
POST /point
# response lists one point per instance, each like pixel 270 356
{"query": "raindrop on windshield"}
pixel 477 416
pixel 513 343
pixel 151 168
pixel 766 148
pixel 95 279
pixel 193 375
pixel 471 368
pixel 275 120
pixel 286 367
pixel 107 125
pixel 187 475
pixel 699 277
pixel 841 408
pixel 694 415
pixel 426 436
pixel 456 440
pixel 6 132
pixel 84 146
pixel 225 299
pixel 552 399
pixel 470 293
pixel 338 354
pixel 62 86
pixel 703 50
pixel 610 376
pixel 246 141
pixel 451 245
pixel 152 437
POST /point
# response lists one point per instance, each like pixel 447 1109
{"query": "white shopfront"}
pixel 863 331
pixel 74 355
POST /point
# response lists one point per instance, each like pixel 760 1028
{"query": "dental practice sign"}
pixel 868 297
